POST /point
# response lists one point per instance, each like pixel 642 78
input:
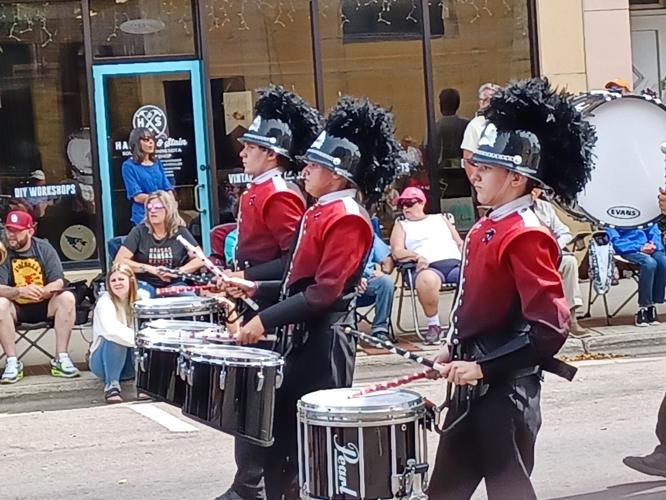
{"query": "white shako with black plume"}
pixel 358 144
pixel 536 131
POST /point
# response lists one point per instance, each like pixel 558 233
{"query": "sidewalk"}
pixel 622 338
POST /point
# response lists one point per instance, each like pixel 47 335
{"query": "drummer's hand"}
pixel 462 372
pixel 442 357
pixel 251 332
pixel 238 291
pixel 662 200
pixel 164 274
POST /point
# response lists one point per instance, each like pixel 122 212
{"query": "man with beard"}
pixel 31 290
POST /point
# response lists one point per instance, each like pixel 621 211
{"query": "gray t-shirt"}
pixel 168 252
pixel 39 265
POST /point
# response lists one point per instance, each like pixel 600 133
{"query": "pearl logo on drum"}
pixel 624 212
pixel 344 456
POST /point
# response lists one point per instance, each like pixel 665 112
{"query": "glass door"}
pixel 165 97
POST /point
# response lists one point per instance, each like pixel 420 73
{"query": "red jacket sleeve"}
pixel 533 256
pixel 282 213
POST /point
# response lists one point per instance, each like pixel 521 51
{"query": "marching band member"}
pixel 356 153
pixel 270 209
pixel 510 315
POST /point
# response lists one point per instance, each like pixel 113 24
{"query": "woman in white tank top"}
pixel 434 244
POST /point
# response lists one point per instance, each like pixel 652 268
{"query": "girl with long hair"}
pixel 111 353
pixel 152 246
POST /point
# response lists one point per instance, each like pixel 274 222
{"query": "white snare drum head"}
pixel 629 164
pixel 340 401
pixel 231 355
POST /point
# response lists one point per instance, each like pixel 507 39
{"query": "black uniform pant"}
pixel 661 427
pixel 324 361
pixel 494 442
pixel 249 478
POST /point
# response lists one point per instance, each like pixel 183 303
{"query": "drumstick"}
pixel 197 278
pixel 218 272
pixel 391 347
pixel 391 384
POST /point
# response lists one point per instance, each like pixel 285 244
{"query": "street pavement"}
pixel 68 444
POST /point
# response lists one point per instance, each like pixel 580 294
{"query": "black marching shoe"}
pixel 230 494
pixel 641 317
pixel 652 317
pixel 653 464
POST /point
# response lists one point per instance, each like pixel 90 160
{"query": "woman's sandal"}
pixel 113 396
pixel 142 396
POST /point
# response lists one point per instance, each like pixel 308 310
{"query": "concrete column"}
pixel 607 41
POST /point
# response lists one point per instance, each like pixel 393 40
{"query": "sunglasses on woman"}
pixel 154 207
pixel 408 203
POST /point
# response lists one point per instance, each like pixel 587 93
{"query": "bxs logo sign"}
pixel 623 212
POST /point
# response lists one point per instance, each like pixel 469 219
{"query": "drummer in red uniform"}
pixel 269 211
pixel 355 155
pixel 510 315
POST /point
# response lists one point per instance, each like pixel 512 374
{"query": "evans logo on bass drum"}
pixel 624 212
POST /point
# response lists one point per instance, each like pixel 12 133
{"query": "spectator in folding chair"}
pixel 568 267
pixel 32 290
pixel 112 350
pixel 644 247
pixel 152 246
pixel 434 245
pixel 377 287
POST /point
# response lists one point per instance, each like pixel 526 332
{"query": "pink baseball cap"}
pixel 18 220
pixel 412 193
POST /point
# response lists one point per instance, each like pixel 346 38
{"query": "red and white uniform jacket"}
pixel 269 212
pixel 510 273
pixel 333 242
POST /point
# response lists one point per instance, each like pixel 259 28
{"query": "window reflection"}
pixel 138 28
pixel 45 159
pixel 251 44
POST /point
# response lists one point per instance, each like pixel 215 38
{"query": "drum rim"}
pixel 363 418
pixel 581 212
pixel 184 322
pixel 194 304
pixel 272 359
pixel 171 346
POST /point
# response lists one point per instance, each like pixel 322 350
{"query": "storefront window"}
pixel 141 28
pixel 45 159
pixel 250 45
pixel 483 42
pixel 374 50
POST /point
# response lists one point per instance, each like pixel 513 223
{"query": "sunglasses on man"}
pixel 408 203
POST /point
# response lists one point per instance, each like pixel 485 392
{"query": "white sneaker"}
pixel 62 366
pixel 13 372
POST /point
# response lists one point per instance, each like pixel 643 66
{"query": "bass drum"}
pixel 629 164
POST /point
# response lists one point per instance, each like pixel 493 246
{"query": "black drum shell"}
pixel 157 375
pixel 239 408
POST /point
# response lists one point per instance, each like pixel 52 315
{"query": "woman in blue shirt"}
pixel 644 247
pixel 143 173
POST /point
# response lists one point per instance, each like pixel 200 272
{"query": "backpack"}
pixel 601 263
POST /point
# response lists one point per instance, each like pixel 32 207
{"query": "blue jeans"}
pixel 112 362
pixel 652 281
pixel 380 288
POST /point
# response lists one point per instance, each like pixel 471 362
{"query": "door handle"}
pixel 197 198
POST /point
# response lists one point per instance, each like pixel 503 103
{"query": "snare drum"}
pixel 372 446
pixel 232 389
pixel 176 308
pixel 158 364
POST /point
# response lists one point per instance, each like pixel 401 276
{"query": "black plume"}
pixel 371 128
pixel 303 120
pixel 566 139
